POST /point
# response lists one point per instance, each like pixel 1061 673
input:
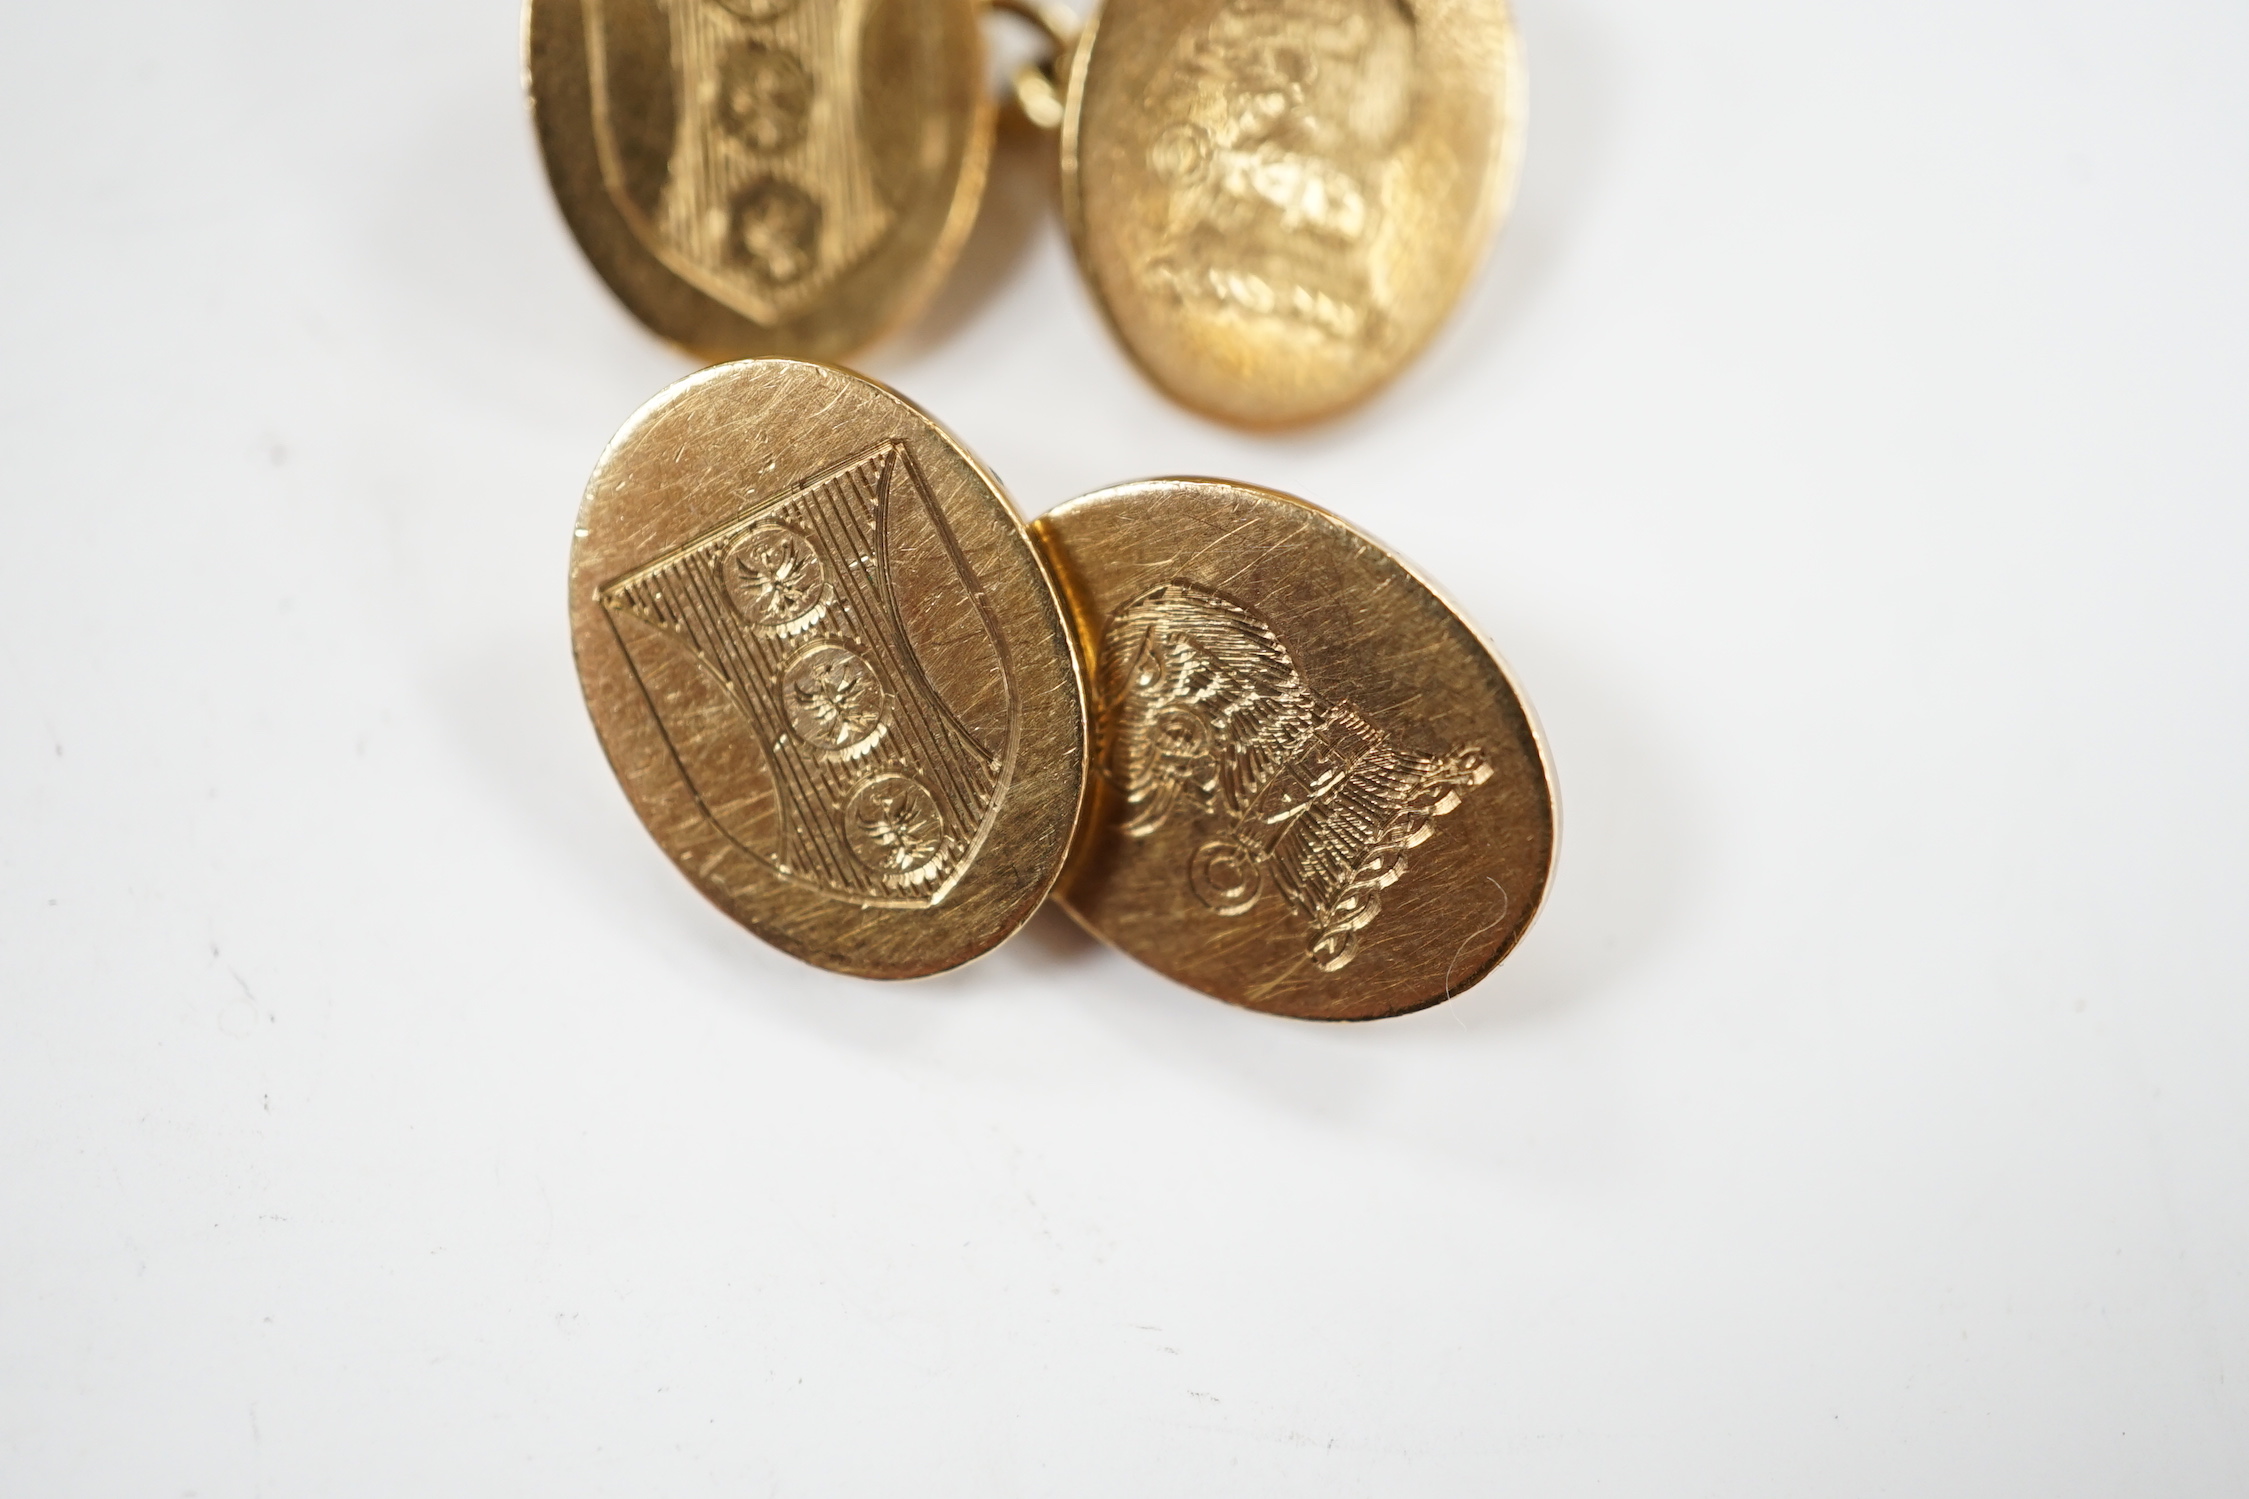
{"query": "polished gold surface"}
pixel 764 177
pixel 1277 201
pixel 1317 792
pixel 828 668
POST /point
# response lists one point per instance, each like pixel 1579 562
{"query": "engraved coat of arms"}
pixel 1204 715
pixel 773 653
pixel 730 139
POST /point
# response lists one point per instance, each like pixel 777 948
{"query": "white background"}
pixel 1847 446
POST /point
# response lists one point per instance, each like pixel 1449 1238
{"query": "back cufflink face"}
pixel 1275 203
pixel 764 177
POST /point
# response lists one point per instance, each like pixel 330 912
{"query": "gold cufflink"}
pixel 877 719
pixel 1274 202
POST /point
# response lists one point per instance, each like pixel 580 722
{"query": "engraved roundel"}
pixel 893 826
pixel 1226 876
pixel 777 581
pixel 765 98
pixel 1181 154
pixel 834 700
pixel 776 231
pixel 1180 734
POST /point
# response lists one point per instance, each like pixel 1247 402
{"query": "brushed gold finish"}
pixel 764 177
pixel 1276 202
pixel 828 667
pixel 1317 792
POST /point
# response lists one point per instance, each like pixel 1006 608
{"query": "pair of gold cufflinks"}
pixel 1274 202
pixel 878 720
pixel 868 711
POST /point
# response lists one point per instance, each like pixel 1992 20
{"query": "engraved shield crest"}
pixel 730 138
pixel 776 653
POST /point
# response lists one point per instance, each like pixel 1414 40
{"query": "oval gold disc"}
pixel 1318 793
pixel 828 668
pixel 1278 201
pixel 756 177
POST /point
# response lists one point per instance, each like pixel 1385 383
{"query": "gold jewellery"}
pixel 878 720
pixel 828 667
pixel 1274 202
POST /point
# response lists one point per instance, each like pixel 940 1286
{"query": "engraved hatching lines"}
pixel 934 748
pixel 854 499
pixel 982 760
pixel 652 606
pixel 1202 707
pixel 702 587
pixel 693 608
pixel 963 756
pixel 857 496
pixel 987 761
pixel 805 783
pixel 1387 805
pixel 819 509
pixel 700 606
pixel 698 163
pixel 811 183
pixel 648 696
pixel 983 773
pixel 855 587
pixel 843 516
pixel 684 593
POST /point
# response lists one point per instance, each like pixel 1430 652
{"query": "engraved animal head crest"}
pixel 1204 713
pixel 1283 114
pixel 1329 76
pixel 1196 692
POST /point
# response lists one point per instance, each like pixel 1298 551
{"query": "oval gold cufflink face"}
pixel 828 668
pixel 764 177
pixel 1317 791
pixel 1277 201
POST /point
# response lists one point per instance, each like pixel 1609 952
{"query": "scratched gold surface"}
pixel 1276 202
pixel 828 668
pixel 764 177
pixel 1316 790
